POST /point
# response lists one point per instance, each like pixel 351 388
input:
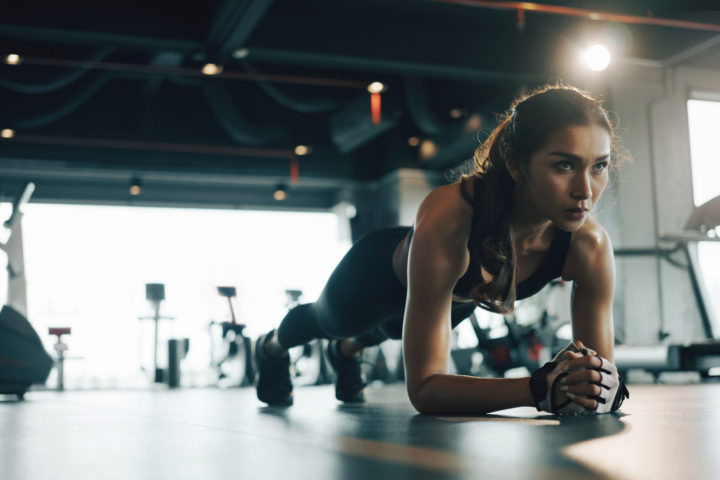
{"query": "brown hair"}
pixel 524 129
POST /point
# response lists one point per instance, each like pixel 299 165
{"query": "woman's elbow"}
pixel 421 397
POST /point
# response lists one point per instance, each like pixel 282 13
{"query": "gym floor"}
pixel 664 432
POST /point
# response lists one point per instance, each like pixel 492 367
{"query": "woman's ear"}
pixel 515 169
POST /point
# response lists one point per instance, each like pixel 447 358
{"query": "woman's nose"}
pixel 581 187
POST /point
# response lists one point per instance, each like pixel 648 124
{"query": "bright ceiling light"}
pixel 7 133
pixel 135 186
pixel 597 57
pixel 413 141
pixel 301 150
pixel 212 69
pixel 376 87
pixel 428 149
pixel 280 193
pixel 474 122
pixel 241 53
pixel 13 59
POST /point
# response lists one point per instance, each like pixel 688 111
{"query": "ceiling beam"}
pixel 398 67
pixel 79 37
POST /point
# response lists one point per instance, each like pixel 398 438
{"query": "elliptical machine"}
pixel 23 360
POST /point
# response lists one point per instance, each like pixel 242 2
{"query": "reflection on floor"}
pixel 665 432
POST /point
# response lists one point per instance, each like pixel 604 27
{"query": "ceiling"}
pixel 109 91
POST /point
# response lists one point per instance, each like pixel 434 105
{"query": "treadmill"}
pixel 702 356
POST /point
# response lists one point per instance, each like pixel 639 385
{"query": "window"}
pixel 87 267
pixel 704 125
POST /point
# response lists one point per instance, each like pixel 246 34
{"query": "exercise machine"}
pixel 23 359
pixel 701 357
pixel 155 294
pixel 13 247
pixel 236 368
pixel 60 348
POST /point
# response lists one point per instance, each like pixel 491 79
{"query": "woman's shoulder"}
pixel 592 236
pixel 442 230
pixel 446 209
pixel 590 248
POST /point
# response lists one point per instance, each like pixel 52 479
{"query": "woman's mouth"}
pixel 576 213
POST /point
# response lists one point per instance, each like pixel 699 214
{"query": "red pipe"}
pixel 166 147
pixel 583 13
pixel 154 146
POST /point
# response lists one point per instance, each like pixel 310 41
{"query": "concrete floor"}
pixel 666 432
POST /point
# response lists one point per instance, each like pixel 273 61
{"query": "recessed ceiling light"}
pixel 280 193
pixel 135 186
pixel 241 53
pixel 7 133
pixel 301 150
pixel 376 87
pixel 13 59
pixel 212 69
pixel 428 149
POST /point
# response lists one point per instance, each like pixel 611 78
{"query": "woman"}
pixel 500 234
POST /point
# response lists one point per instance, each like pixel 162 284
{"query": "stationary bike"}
pixel 236 368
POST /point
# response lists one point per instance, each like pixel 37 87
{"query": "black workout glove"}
pixel 543 380
pixel 614 389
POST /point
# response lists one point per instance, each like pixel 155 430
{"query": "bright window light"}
pixel 87 267
pixel 704 123
pixel 597 57
pixel 704 120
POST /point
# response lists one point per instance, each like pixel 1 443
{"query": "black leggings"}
pixel 363 298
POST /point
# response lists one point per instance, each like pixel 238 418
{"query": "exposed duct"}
pixel 81 96
pixel 352 126
pixel 302 106
pixel 458 144
pixel 239 129
pixel 57 83
pixel 234 22
pixel 419 107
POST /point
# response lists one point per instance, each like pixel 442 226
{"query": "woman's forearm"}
pixel 471 395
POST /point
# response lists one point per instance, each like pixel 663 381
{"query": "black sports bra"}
pixel 550 269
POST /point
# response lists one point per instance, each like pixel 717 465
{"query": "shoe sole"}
pixel 358 397
pixel 271 401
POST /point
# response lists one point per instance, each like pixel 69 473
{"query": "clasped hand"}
pixel 589 384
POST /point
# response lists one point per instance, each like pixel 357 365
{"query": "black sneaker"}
pixel 274 385
pixel 349 384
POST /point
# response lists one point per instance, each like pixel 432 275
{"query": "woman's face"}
pixel 568 175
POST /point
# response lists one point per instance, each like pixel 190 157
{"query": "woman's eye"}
pixel 564 165
pixel 601 166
